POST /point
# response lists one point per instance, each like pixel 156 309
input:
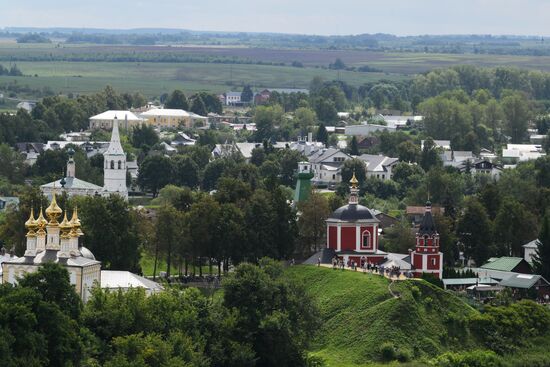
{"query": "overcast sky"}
pixel 401 17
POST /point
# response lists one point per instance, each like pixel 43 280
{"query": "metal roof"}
pixel 532 244
pixel 525 281
pixel 504 263
pixel 116 279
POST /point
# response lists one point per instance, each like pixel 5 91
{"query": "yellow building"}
pixel 165 118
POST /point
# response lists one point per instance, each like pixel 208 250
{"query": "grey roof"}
pixel 233 94
pixel 324 154
pixel 525 281
pixel 352 213
pixel 73 183
pixel 51 256
pixel 377 162
pixel 117 279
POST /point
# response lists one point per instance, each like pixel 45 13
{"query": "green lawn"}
pixel 359 314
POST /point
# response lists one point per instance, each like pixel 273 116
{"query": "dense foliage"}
pixel 43 323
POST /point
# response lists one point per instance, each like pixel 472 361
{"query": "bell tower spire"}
pixel 114 167
pixel 353 190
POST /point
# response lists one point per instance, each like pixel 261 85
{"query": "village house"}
pixel 326 165
pixel 530 250
pixel 379 166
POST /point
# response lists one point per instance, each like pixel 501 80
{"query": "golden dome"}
pixel 354 182
pixel 41 222
pixel 65 226
pixel 75 222
pixel 53 211
pixel 31 222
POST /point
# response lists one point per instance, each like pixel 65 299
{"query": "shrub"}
pixel 404 355
pixel 415 292
pixel 387 352
pixel 476 358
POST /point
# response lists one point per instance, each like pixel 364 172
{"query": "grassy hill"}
pixel 360 316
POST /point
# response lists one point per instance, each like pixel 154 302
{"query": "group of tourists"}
pixel 367 266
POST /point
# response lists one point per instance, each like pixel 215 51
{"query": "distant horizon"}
pixel 307 17
pixel 15 29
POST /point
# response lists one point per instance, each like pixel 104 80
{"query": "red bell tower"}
pixel 426 257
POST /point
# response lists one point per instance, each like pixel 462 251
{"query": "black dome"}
pixel 352 212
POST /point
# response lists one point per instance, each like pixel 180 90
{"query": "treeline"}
pixel 13 70
pixel 272 326
pixel 33 38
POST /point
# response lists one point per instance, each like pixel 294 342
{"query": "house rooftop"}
pixel 118 114
pixel 525 281
pixel 504 263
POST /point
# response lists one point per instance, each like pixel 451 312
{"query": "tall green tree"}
pixel 198 106
pixel 247 95
pixel 322 134
pixel 474 229
pixel 517 114
pixel 177 100
pixel 144 135
pixel 155 172
pixel 514 226
pixel 430 155
pixel 311 222
pixel 353 148
pixel 541 260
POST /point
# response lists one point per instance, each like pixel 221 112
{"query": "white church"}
pixel 114 174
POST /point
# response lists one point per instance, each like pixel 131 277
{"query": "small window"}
pixel 119 165
pixel 112 164
pixel 366 239
pixel 434 261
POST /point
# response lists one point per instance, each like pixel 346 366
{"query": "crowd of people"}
pixel 367 266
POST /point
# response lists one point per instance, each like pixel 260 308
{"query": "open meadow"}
pixel 153 70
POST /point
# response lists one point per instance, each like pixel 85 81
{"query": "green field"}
pixel 81 69
pixel 153 79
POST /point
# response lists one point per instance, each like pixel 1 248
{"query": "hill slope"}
pixel 359 315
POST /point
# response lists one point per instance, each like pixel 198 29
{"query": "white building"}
pixel 515 153
pixel 114 172
pixel 232 98
pixel 104 120
pixel 326 165
pixel 366 129
pixel 379 166
pixel 529 250
pixel 443 144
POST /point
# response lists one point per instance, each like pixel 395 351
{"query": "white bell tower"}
pixel 114 167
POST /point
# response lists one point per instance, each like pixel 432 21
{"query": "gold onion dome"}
pixel 65 225
pixel 31 223
pixel 53 211
pixel 354 182
pixel 75 222
pixel 41 221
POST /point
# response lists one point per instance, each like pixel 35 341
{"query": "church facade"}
pixel 353 236
pixel 49 240
pixel 114 174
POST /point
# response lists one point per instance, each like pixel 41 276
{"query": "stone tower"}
pixel 115 166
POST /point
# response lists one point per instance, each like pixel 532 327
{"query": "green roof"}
pixel 503 263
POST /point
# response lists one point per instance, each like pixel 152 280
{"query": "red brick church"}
pixel 353 235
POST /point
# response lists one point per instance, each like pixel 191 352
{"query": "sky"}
pixel 335 17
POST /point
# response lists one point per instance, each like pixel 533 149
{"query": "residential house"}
pixel 326 165
pixel 400 122
pixel 263 96
pixel 515 153
pixel 509 264
pixel 416 213
pixel 366 129
pixel 443 144
pixel 524 285
pixel 105 120
pixel 231 98
pixel 455 158
pixel 31 151
pixel 481 166
pixel 182 139
pixel 379 166
pixel 368 142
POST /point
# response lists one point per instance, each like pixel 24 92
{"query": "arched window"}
pixel 112 164
pixel 119 165
pixel 365 239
